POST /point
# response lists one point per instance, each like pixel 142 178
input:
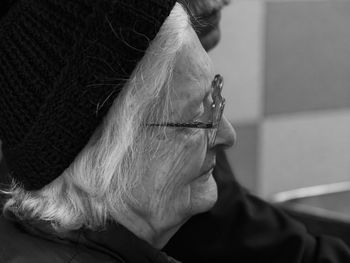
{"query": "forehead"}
pixel 193 71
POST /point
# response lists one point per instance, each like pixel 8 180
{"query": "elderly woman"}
pixel 110 119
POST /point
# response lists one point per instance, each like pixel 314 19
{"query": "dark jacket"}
pixel 243 228
pixel 28 243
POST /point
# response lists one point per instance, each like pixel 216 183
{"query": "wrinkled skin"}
pixel 179 183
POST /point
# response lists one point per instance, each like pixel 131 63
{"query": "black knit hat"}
pixel 62 63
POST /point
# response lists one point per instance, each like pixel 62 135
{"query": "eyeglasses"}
pixel 217 108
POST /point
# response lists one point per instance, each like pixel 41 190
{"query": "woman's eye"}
pixel 207 111
pixel 190 131
pixel 199 115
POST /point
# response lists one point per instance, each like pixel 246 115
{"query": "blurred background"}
pixel 287 85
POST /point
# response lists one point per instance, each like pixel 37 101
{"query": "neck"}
pixel 152 231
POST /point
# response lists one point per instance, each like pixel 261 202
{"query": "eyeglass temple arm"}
pixel 195 125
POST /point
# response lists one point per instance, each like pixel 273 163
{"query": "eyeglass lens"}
pixel 217 108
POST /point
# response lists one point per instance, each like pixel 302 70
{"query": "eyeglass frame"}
pixel 218 105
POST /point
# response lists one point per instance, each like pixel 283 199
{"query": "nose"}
pixel 226 134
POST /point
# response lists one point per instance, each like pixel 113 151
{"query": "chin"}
pixel 204 194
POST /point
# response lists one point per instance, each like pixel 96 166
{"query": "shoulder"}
pixel 19 246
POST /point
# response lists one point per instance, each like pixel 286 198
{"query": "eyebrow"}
pixel 196 101
pixel 208 87
pixel 203 94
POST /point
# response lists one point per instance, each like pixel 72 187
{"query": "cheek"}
pixel 182 161
pixel 195 150
pixel 165 182
pixel 177 162
pixel 188 158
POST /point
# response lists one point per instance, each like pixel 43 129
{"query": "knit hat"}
pixel 62 64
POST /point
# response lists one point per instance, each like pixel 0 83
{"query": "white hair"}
pixel 96 186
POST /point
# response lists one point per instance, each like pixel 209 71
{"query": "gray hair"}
pixel 97 185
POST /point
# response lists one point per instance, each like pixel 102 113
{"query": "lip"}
pixel 208 170
pixel 206 175
pixel 205 172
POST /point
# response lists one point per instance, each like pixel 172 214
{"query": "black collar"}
pixel 115 240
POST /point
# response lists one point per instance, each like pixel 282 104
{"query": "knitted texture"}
pixel 62 64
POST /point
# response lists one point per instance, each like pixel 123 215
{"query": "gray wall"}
pixel 287 70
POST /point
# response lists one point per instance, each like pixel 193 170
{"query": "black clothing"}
pixel 243 228
pixel 62 65
pixel 26 243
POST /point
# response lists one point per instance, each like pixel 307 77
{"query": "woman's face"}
pixel 180 183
